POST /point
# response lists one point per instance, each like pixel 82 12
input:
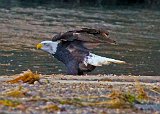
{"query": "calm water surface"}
pixel 137 32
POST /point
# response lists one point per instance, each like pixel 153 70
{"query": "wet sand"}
pixel 79 94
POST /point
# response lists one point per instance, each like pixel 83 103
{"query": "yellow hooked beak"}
pixel 39 46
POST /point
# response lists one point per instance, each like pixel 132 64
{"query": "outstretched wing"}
pixel 89 38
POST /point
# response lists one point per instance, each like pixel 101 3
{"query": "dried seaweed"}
pixel 105 79
pixel 155 89
pixel 116 99
pixel 9 103
pixel 26 77
pixel 119 99
pixel 123 99
pixel 18 92
pixel 73 101
pixel 51 108
pixel 141 94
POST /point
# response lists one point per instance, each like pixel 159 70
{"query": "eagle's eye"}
pixel 46 44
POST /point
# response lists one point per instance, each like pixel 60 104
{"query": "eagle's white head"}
pixel 48 46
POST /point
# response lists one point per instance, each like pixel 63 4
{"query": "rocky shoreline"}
pixel 81 94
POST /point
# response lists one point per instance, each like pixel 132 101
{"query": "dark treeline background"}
pixel 97 3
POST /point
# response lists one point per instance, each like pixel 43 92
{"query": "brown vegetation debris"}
pixel 120 99
pixel 26 77
pixel 155 89
pixel 116 99
pixel 105 79
pixel 9 103
pixel 20 92
pixel 51 108
pixel 73 101
pixel 141 94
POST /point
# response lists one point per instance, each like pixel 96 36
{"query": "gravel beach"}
pixel 88 94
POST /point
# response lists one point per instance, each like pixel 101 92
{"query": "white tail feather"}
pixel 96 60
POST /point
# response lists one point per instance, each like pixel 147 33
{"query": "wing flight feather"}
pixel 90 38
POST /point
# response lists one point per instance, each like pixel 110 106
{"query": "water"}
pixel 137 32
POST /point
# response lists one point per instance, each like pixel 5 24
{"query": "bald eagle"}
pixel 73 48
